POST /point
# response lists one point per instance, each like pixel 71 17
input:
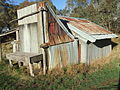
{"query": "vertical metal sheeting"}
pixel 21 28
pixel 33 37
pixel 96 52
pixel 63 54
pixel 26 11
pixel 84 52
pixel 28 38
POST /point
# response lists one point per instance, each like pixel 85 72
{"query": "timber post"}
pixel 17 39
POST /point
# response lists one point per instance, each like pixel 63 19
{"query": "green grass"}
pixel 69 78
pixel 106 78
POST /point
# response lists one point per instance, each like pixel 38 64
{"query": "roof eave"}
pixel 104 36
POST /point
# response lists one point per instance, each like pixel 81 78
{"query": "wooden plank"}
pixel 10 32
pixel 40 31
pixel 31 69
pixel 28 59
pixel 79 51
pixel 45 17
pixel 10 63
pixel 17 38
pixel 36 59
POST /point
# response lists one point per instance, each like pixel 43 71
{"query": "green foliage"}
pixel 7 13
pixel 102 12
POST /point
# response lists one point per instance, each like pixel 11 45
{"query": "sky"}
pixel 60 4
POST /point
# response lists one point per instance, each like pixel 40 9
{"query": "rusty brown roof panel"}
pixel 85 25
pixel 56 34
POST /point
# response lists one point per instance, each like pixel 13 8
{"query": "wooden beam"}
pixel 10 32
pixel 17 38
pixel 24 17
pixel 45 17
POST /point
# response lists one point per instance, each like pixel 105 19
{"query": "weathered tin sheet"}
pixel 83 52
pixel 98 49
pixel 28 38
pixel 81 35
pixel 106 36
pixel 33 37
pixel 86 26
pixel 59 21
pixel 63 54
pixel 55 32
pixel 26 11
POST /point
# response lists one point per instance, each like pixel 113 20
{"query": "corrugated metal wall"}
pixel 33 37
pixel 28 38
pixel 83 51
pixel 98 49
pixel 21 28
pixel 62 55
pixel 25 11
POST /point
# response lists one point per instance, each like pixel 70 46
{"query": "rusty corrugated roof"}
pixel 85 25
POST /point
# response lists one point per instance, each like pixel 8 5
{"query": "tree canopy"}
pixel 102 12
pixel 7 13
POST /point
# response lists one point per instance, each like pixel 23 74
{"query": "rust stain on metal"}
pixel 64 54
pixel 55 32
pixel 79 51
pixel 86 25
pixel 75 20
pixel 41 4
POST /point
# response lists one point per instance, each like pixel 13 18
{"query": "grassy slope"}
pixel 101 75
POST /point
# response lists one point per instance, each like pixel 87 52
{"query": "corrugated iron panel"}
pixel 59 21
pixel 26 11
pixel 29 38
pixel 85 25
pixel 26 38
pixel 21 28
pixel 55 32
pixel 96 52
pixel 83 52
pixel 33 37
pixel 82 35
pixel 63 54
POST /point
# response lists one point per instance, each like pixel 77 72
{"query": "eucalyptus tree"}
pixel 7 13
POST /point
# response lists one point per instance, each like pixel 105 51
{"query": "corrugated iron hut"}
pixel 62 40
